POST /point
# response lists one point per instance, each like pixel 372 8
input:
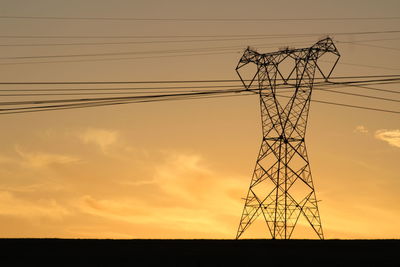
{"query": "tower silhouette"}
pixel 281 188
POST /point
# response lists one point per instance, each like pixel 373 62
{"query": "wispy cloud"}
pixel 361 129
pixel 42 159
pixel 139 212
pixel 189 196
pixel 102 138
pixel 183 175
pixel 6 159
pixel 11 205
pixel 392 137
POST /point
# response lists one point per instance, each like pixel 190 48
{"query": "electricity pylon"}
pixel 281 188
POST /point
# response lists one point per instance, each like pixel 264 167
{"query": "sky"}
pixel 179 169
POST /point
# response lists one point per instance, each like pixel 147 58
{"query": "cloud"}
pixel 10 205
pixel 100 137
pixel 188 178
pixel 184 176
pixel 183 193
pixel 392 137
pixel 41 159
pixel 6 160
pixel 152 194
pixel 139 212
pixel 361 129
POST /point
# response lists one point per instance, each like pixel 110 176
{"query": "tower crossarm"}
pixel 273 59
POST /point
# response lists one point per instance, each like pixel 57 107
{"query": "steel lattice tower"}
pixel 282 164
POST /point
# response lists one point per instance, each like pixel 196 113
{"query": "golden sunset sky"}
pixel 178 169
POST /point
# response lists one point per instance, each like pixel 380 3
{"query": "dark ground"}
pixel 83 252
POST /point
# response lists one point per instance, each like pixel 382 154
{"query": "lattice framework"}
pixel 282 164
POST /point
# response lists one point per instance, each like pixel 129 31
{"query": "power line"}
pixel 167 36
pixel 354 106
pixel 201 51
pixel 126 82
pixel 374 81
pixel 186 89
pixel 369 66
pixel 100 93
pixel 369 45
pixel 122 88
pixel 118 101
pixel 152 95
pixel 36 102
pixel 370 88
pixel 289 35
pixel 37 92
pixel 384 77
pixel 349 105
pixel 141 42
pixel 370 40
pixel 199 19
pixel 364 65
pixel 223 51
pixel 124 102
pixel 115 59
pixel 111 101
pixel 176 53
pixel 160 92
pixel 359 95
pixel 126 53
pixel 169 91
pixel 177 41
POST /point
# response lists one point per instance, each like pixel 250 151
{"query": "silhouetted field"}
pixel 92 252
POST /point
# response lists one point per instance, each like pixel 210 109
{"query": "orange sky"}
pixel 180 169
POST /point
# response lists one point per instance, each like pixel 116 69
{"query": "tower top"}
pixel 290 55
